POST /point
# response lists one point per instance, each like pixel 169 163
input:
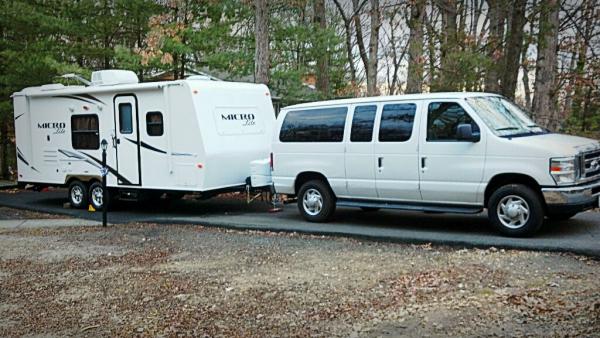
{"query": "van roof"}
pixel 375 99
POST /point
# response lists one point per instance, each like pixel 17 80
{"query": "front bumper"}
pixel 581 197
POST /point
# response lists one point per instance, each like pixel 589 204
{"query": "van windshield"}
pixel 503 117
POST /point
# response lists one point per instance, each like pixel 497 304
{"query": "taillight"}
pixel 271 161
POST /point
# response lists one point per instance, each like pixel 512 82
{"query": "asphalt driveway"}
pixel 579 235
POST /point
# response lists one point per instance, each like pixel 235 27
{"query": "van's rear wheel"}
pixel 97 196
pixel 78 194
pixel 516 210
pixel 316 201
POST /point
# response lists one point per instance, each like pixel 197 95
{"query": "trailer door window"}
pixel 154 123
pixel 125 118
pixel 84 132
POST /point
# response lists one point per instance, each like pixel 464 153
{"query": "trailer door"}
pixel 127 140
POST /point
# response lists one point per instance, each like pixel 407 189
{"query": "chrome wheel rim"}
pixel 97 196
pixel 513 212
pixel 77 194
pixel 312 202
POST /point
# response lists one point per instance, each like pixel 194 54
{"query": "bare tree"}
pixel 514 45
pixel 323 56
pixel 544 100
pixel 414 80
pixel 348 19
pixel 496 15
pixel 261 58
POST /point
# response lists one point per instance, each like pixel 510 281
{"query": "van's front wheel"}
pixel 316 201
pixel 516 210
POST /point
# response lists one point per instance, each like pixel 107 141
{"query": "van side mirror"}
pixel 464 132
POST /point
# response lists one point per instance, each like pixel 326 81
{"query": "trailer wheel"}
pixel 316 201
pixel 78 194
pixel 97 196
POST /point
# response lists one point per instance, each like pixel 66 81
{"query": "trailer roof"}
pixel 375 99
pixel 52 90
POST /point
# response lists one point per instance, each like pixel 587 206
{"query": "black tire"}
pixel 98 202
pixel 562 216
pixel 369 209
pixel 78 194
pixel 327 199
pixel 512 196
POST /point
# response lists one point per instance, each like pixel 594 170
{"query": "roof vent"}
pixel 113 77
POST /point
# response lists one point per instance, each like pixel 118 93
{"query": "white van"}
pixel 442 152
pixel 192 135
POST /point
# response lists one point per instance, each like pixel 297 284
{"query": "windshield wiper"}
pixel 508 128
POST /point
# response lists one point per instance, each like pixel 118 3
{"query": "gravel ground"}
pixel 10 213
pixel 149 280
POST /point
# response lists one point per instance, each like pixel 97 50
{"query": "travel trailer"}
pixel 192 135
pixel 442 152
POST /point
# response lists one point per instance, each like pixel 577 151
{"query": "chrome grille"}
pixel 590 164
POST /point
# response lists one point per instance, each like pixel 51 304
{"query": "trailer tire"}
pixel 78 194
pixel 316 201
pixel 96 196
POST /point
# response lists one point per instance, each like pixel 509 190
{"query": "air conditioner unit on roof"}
pixel 113 77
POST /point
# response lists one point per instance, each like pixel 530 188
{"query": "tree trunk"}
pixel 448 47
pixel 514 44
pixel 494 45
pixel 261 58
pixel 414 80
pixel 544 100
pixel 349 46
pixel 373 49
pixel 323 54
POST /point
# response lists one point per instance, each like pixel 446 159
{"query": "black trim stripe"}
pixel 74 98
pixel 147 146
pixel 21 157
pixel 19 116
pixel 111 170
pixel 90 97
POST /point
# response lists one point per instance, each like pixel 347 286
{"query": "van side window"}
pixel 85 132
pixel 397 122
pixel 362 124
pixel 314 125
pixel 154 123
pixel 442 120
pixel 125 118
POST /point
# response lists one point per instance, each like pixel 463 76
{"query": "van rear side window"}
pixel 362 124
pixel 314 125
pixel 397 122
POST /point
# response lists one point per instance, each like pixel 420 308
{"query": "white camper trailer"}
pixel 193 135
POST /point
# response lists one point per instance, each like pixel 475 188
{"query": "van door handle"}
pixel 380 162
pixel 423 162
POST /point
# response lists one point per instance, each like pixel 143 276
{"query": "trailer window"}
pixel 362 124
pixel 397 122
pixel 125 118
pixel 84 132
pixel 154 123
pixel 315 125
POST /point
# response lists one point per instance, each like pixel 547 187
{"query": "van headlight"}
pixel 564 170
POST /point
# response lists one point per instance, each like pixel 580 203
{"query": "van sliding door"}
pixel 127 140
